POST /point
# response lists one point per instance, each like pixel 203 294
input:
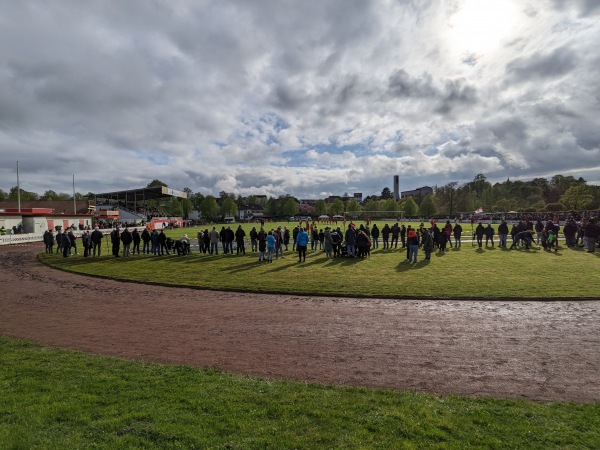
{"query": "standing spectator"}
pixel 489 234
pixel 162 240
pixel 254 239
pixel 457 234
pixel 72 240
pixel 413 244
pixel 214 241
pixel 591 232
pixel 448 230
pixel 270 246
pixel 350 242
pixel 427 243
pixel 375 235
pixel 286 239
pixel 502 234
pixel 86 241
pixel 135 235
pixel 328 243
pixel 385 234
pixel 395 235
pixel 96 238
pixel 301 244
pixel 240 234
pixel 115 240
pixel 155 243
pixel 479 232
pixel 146 238
pixel 403 235
pixel 126 239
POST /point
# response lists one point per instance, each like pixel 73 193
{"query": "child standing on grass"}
pixel 270 246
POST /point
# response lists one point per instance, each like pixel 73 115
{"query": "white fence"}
pixel 21 238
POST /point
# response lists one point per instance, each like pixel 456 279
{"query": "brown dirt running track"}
pixel 536 350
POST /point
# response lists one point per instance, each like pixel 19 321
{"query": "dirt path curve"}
pixel 523 349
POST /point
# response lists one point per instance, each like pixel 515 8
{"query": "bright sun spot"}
pixel 480 26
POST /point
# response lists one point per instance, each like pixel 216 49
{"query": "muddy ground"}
pixel 520 349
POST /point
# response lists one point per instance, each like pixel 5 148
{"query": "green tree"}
pixel 155 183
pixel 390 206
pixel 272 207
pixel 187 207
pixel 337 207
pixel 446 197
pixel 353 206
pixel 504 205
pixel 320 207
pixel 578 197
pixel 409 207
pixel 372 207
pixel 228 207
pixel 3 195
pixel 428 208
pixel 209 208
pixel 49 195
pixel 25 196
pixel 290 207
pixel 386 193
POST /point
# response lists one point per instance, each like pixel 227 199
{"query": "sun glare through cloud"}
pixel 480 26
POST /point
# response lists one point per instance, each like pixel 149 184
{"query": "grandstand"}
pixel 138 205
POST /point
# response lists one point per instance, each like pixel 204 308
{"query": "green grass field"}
pixel 59 399
pixel 468 272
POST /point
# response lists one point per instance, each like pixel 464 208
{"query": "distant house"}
pixel 419 192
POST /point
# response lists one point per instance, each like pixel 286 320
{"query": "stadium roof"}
pixel 148 193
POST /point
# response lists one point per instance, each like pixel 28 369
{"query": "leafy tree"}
pixel 290 207
pixel 353 206
pixel 386 193
pixel 578 197
pixel 337 207
pixel 25 196
pixel 372 207
pixel 209 208
pixel 49 195
pixel 504 205
pixel 228 207
pixel 320 207
pixel 306 209
pixel 196 198
pixel 409 207
pixel 390 205
pixel 3 195
pixel 272 207
pixel 446 196
pixel 428 208
pixel 479 184
pixel 187 206
pixel 155 183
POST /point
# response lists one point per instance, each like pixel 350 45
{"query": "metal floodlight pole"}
pixel 18 189
pixel 74 203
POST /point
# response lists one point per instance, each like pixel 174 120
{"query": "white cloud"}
pixel 296 97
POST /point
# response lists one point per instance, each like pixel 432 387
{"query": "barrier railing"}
pixel 20 238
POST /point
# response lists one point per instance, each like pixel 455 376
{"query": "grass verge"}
pixel 56 399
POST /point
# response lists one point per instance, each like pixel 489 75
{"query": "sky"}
pixel 308 98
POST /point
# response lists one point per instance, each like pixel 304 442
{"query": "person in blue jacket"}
pixel 301 244
pixel 270 246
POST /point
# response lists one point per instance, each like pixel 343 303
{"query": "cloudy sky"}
pixel 307 98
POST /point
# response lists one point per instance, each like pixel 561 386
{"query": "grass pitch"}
pixel 467 272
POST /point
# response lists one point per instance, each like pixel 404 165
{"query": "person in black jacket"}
pixel 96 238
pixel 479 232
pixel 489 234
pixel 126 239
pixel 254 239
pixel 115 239
pixel 162 241
pixel 146 238
pixel 375 235
pixel 570 230
pixel 502 234
pixel 457 230
pixel 240 234
pixel 385 233
pixel 135 235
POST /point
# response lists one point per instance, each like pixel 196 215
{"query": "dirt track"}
pixel 523 349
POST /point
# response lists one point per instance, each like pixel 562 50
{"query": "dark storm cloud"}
pixel 401 84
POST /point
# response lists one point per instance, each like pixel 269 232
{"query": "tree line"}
pixel 559 193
